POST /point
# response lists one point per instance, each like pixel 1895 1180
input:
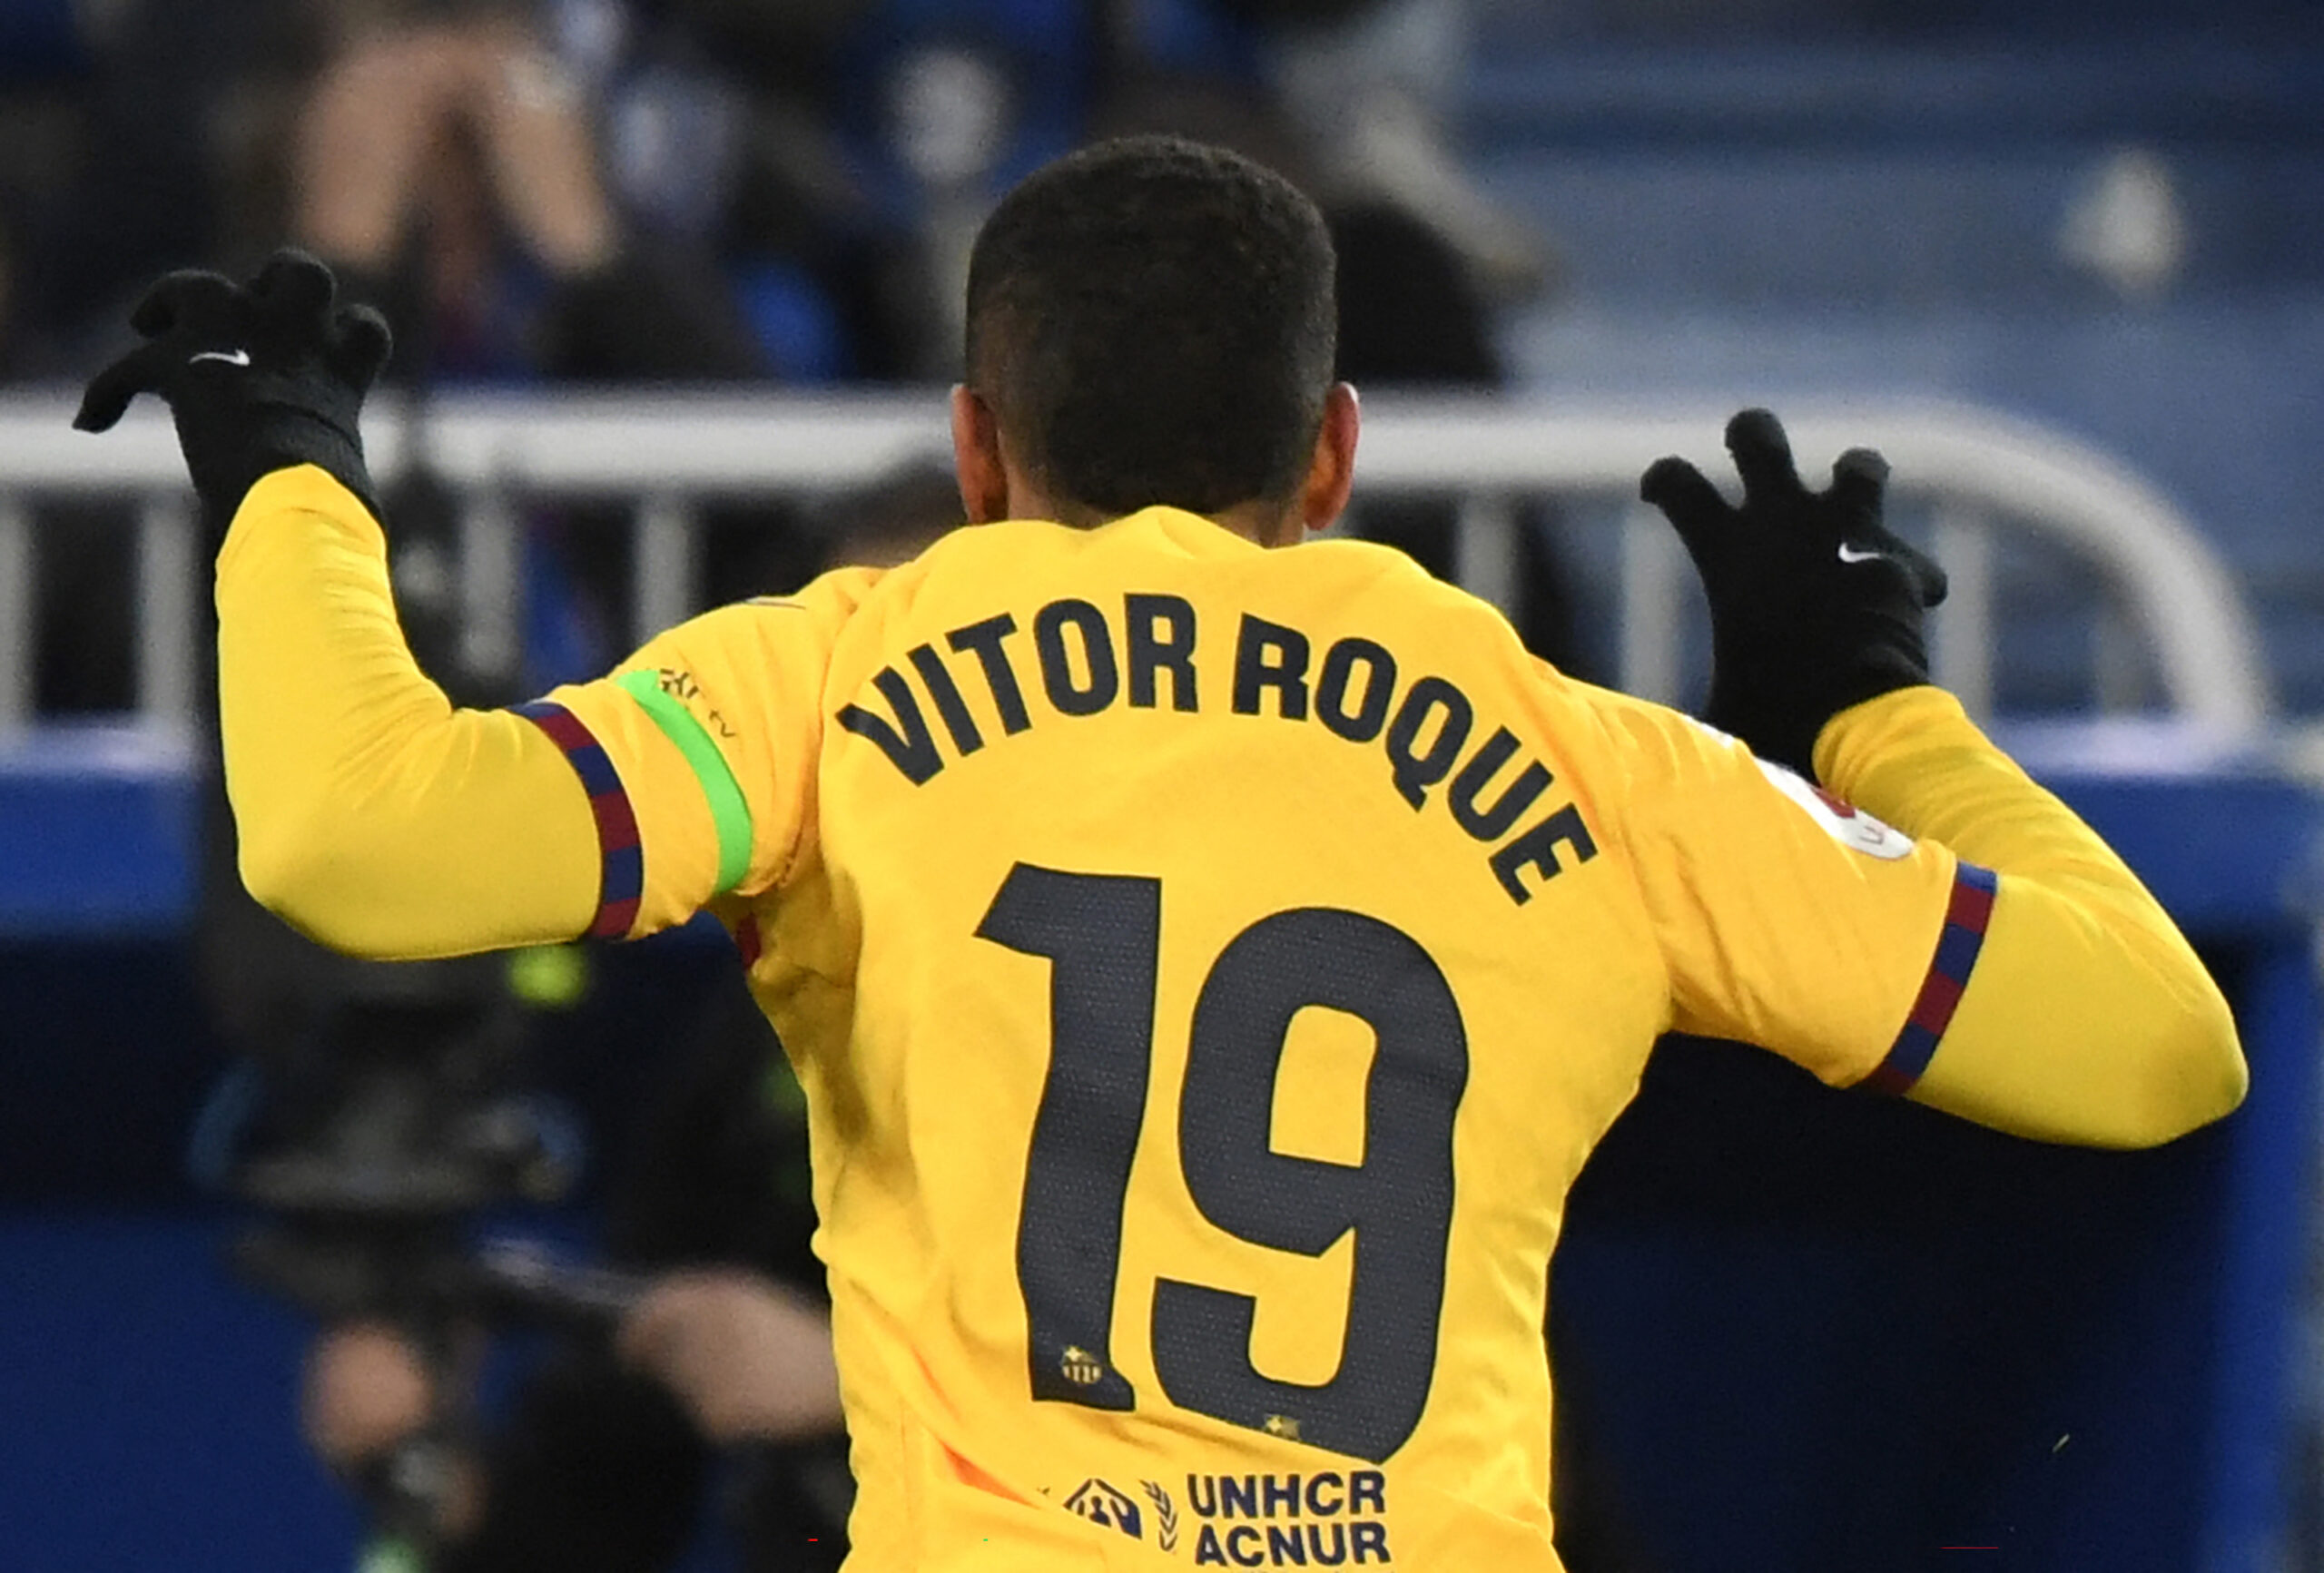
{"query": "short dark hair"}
pixel 1152 321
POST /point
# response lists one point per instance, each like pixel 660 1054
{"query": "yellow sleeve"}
pixel 371 814
pixel 1783 919
pixel 2087 1017
pixel 701 751
pixel 383 822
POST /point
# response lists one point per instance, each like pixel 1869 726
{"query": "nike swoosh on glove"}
pixel 257 376
pixel 1815 604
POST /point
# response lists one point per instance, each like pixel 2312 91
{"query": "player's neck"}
pixel 1268 523
pixel 1265 523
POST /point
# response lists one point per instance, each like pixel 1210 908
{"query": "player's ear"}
pixel 1331 474
pixel 976 457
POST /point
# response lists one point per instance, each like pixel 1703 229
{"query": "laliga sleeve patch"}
pixel 1842 820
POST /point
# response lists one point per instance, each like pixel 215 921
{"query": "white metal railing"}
pixel 1975 471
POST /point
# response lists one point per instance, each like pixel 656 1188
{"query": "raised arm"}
pixel 2088 1018
pixel 2050 994
pixel 372 815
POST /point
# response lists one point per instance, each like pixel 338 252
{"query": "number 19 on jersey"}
pixel 1102 935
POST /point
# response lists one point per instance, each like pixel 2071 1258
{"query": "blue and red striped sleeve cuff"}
pixel 1966 917
pixel 621 866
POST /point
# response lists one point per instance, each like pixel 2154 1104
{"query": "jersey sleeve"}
pixel 1998 961
pixel 380 819
pixel 1784 917
pixel 370 814
pixel 2089 1018
pixel 699 752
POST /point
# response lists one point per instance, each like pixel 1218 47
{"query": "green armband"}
pixel 729 814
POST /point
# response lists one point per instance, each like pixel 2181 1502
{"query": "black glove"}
pixel 1815 604
pixel 258 377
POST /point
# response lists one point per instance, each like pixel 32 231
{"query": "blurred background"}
pixel 674 282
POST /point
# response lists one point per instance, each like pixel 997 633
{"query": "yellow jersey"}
pixel 1209 969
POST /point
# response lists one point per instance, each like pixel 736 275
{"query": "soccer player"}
pixel 1208 964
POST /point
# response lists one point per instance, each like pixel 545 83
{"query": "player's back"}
pixel 1207 973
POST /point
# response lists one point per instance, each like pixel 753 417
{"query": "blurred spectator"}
pixel 1365 89
pixel 450 166
pixel 1372 86
pixel 442 155
pixel 445 155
